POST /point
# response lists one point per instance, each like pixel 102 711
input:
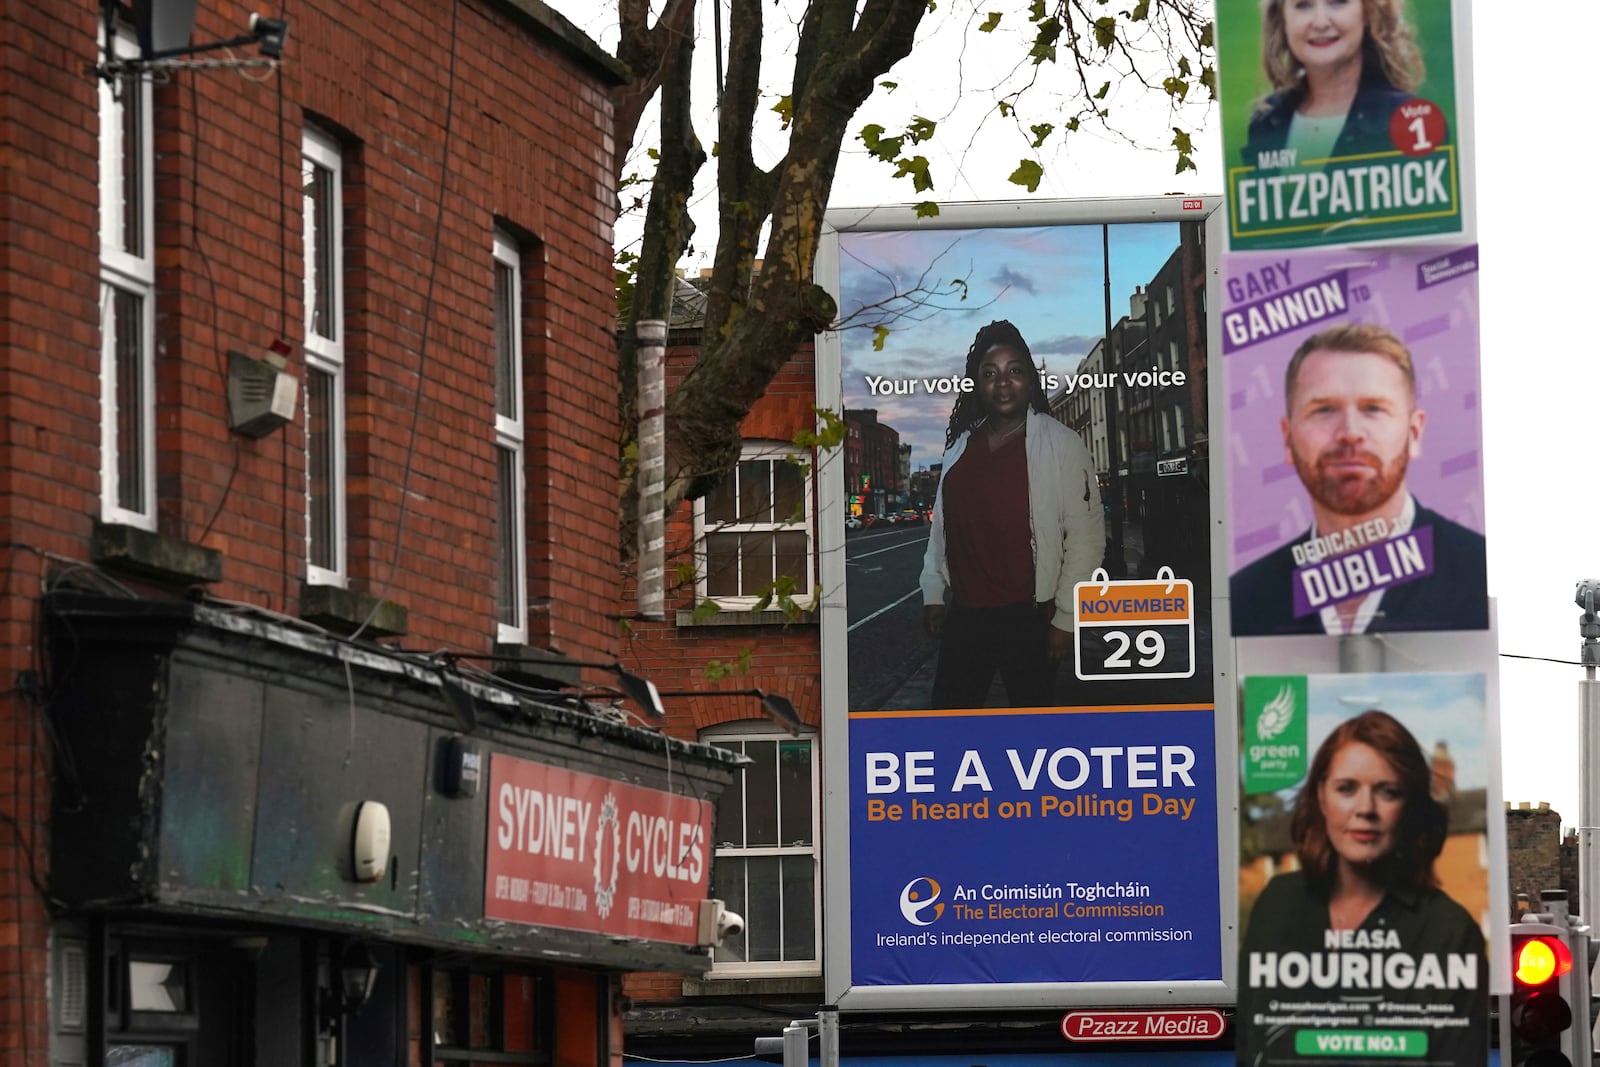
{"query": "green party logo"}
pixel 1274 740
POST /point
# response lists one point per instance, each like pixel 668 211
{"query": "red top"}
pixel 988 534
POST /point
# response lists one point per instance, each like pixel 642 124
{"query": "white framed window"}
pixel 754 530
pixel 1182 434
pixel 510 435
pixel 765 864
pixel 322 185
pixel 127 297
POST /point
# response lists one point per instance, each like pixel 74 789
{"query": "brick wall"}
pixel 454 117
pixel 1533 854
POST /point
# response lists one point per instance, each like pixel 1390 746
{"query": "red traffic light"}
pixel 1540 959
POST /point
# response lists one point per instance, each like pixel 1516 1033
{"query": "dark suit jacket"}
pixel 1366 124
pixel 1454 597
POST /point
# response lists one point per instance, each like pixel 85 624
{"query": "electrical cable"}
pixel 427 322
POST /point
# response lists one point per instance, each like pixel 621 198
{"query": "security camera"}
pixel 717 923
pixel 1588 596
pixel 270 33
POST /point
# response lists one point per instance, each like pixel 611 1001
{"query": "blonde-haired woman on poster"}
pixel 1339 69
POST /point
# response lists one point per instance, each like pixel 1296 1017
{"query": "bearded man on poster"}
pixel 1375 559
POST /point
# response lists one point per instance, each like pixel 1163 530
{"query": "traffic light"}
pixel 1544 1022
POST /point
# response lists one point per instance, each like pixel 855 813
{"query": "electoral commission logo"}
pixel 919 902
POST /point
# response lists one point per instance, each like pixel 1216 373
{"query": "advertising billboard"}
pixel 1354 441
pixel 1342 122
pixel 579 852
pixel 1020 709
pixel 1365 874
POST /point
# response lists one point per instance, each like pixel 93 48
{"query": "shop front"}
pixel 270 846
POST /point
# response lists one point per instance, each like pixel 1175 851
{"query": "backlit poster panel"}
pixel 1028 689
pixel 1340 121
pixel 1354 441
pixel 1363 881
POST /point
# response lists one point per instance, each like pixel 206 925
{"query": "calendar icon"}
pixel 1134 629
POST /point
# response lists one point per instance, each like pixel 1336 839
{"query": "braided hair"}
pixel 968 411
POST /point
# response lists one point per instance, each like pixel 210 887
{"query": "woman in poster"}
pixel 1363 926
pixel 1339 69
pixel 1017 522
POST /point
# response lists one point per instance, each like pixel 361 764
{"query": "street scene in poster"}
pixel 1339 121
pixel 1354 441
pixel 1363 881
pixel 1030 694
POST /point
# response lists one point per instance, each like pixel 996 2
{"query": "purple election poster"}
pixel 1354 441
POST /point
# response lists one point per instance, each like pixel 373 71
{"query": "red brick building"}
pixel 310 423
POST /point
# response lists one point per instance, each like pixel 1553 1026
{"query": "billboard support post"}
pixel 1361 654
pixel 828 1035
pixel 1588 757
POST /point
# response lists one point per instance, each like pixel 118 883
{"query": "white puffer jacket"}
pixel 1068 523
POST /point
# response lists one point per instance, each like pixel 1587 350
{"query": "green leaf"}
pixel 716 671
pixel 625 627
pixel 764 602
pixel 1036 10
pixel 880 334
pixel 988 24
pixel 1005 110
pixel 1040 132
pixel 927 210
pixel 685 572
pixel 1175 86
pixel 1141 11
pixel 1208 35
pixel 785 109
pixel 653 153
pixel 706 610
pixel 920 129
pixel 1183 66
pixel 1208 78
pixel 1028 173
pixel 1044 42
pixel 1101 95
pixel 1105 31
pixel 890 86
pixel 917 168
pixel 1181 141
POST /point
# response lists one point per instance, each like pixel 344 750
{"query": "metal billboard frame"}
pixel 838 990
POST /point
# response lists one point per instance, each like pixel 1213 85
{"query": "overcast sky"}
pixel 1540 397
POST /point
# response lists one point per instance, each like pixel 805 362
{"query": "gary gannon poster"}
pixel 1030 694
pixel 1354 441
pixel 1339 120
pixel 1363 885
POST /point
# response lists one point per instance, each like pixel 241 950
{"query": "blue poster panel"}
pixel 1068 845
pixel 1363 877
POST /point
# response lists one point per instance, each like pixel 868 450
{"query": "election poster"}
pixel 1364 886
pixel 1026 670
pixel 1354 441
pixel 1340 121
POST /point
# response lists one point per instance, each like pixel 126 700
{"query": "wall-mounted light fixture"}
pixel 369 841
pixel 642 691
pixel 350 986
pixel 780 709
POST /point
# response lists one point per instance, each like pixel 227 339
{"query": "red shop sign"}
pixel 580 852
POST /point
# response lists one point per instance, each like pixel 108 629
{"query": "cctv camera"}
pixel 270 33
pixel 1588 594
pixel 729 924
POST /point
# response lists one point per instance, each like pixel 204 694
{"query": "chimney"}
pixel 1136 303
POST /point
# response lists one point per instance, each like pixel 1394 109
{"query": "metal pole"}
pixel 796 1045
pixel 1588 756
pixel 652 566
pixel 1361 654
pixel 828 1028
